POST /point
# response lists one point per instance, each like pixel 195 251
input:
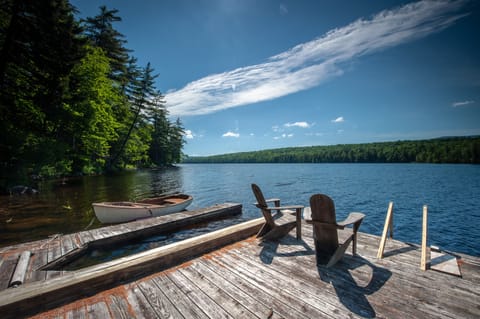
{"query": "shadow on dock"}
pixel 350 294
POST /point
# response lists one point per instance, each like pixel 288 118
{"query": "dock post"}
pixel 423 261
pixel 388 226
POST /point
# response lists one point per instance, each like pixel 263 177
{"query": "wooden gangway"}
pixel 251 279
pixel 58 247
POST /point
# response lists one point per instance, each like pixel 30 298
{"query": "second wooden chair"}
pixel 331 237
pixel 285 219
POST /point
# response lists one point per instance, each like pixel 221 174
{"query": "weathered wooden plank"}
pixel 176 296
pixel 198 297
pixel 251 303
pixel 98 310
pixel 54 252
pixel 38 259
pixel 139 303
pixel 77 313
pixel 85 237
pixel 328 304
pixel 119 307
pixel 215 292
pixel 7 267
pixel 161 305
pixel 279 306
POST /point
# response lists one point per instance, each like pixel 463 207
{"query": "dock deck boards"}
pixel 48 250
pixel 281 280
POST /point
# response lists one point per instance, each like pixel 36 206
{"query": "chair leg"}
pixel 264 230
pixel 354 245
pixel 298 214
pixel 339 253
pixel 278 232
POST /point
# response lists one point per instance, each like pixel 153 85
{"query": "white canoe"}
pixel 119 212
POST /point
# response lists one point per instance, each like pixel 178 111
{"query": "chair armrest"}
pixel 285 207
pixel 271 200
pixel 353 218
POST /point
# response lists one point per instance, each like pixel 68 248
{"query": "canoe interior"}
pixel 173 199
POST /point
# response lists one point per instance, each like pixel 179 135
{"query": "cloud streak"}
pixel 231 134
pixel 298 124
pixel 338 120
pixel 462 103
pixel 310 64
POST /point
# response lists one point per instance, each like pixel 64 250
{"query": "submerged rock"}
pixel 23 190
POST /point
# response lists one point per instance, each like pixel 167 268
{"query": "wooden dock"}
pixel 249 279
pixel 54 250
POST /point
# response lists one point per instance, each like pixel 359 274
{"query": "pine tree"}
pixel 102 34
pixel 142 99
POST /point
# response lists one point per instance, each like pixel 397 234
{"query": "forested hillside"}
pixel 73 99
pixel 442 150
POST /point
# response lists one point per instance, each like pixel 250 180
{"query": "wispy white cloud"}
pixel 462 103
pixel 188 134
pixel 339 119
pixel 309 64
pixel 231 134
pixel 298 124
pixel 283 9
pixel 284 135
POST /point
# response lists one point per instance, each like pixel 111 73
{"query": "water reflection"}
pixel 65 206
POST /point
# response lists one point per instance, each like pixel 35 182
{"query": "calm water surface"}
pixel 450 191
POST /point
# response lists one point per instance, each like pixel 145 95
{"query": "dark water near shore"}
pixel 450 191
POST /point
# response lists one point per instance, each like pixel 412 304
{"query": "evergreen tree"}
pixel 141 99
pixel 102 34
pixel 177 141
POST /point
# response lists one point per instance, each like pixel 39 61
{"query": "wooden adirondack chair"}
pixel 331 237
pixel 285 219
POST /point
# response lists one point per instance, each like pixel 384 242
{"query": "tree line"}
pixel 441 150
pixel 73 99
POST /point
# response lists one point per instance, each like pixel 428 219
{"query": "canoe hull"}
pixel 119 212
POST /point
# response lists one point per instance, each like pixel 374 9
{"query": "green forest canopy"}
pixel 441 150
pixel 73 99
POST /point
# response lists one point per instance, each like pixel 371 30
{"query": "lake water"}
pixel 450 191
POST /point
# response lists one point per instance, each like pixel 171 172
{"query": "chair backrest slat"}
pixel 262 204
pixel 323 211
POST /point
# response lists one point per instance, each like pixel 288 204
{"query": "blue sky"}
pixel 246 75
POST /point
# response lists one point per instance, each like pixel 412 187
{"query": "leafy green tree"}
pixel 94 128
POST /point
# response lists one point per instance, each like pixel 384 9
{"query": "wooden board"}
pixel 444 262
